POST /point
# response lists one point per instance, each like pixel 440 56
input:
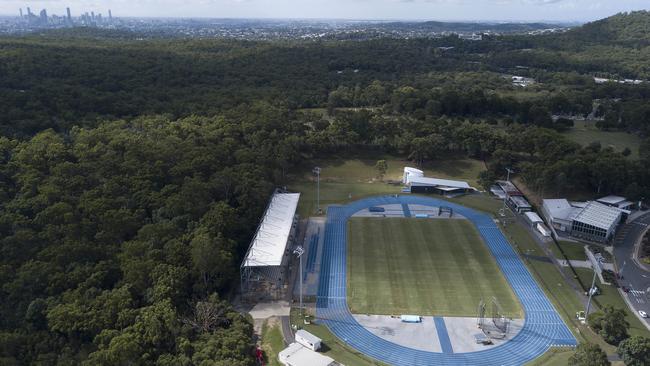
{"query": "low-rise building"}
pixel 439 186
pixel 297 355
pixel 591 221
pixel 618 202
pixel 308 340
pixel 519 204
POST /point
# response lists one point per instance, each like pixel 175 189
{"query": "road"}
pixel 636 278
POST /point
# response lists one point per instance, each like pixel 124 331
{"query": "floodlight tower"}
pixel 590 291
pixel 316 171
pixel 299 251
pixel 506 199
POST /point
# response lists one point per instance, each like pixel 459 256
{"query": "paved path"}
pixel 543 327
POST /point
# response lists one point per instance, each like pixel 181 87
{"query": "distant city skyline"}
pixel 443 10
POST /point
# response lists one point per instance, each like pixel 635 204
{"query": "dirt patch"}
pixel 530 194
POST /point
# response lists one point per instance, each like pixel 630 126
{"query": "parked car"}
pixel 626 289
pixel 643 314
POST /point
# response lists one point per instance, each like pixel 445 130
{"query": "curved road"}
pixel 636 278
pixel 542 329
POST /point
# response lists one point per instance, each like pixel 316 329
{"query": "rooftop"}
pixel 599 215
pixel 559 208
pixel 533 217
pixel 297 355
pixel 412 170
pixel 611 200
pixel 509 188
pixel 307 336
pixel 439 182
pixel 270 241
pixel 520 201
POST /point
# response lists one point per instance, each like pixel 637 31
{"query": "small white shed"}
pixel 308 340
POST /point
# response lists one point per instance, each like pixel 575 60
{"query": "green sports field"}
pixel 424 267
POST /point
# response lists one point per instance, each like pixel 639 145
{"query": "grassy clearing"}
pixel 610 296
pixel 425 267
pixel 554 356
pixel 573 251
pixel 272 342
pixel 548 276
pixel 363 170
pixel 332 346
pixel 585 132
pixel 561 294
pixel 344 180
pixel 336 193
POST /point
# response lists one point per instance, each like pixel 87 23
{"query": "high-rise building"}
pixel 21 13
pixel 29 11
pixel 92 15
pixel 69 15
pixel 110 15
pixel 44 16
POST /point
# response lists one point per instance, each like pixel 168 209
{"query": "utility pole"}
pixel 299 251
pixel 316 171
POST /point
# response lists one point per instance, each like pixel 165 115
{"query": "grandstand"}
pixel 264 267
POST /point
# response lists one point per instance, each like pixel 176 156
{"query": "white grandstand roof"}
pixel 599 215
pixel 268 246
pixel 439 182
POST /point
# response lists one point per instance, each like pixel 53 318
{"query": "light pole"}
pixel 316 171
pixel 505 199
pixel 299 251
pixel 620 273
pixel 590 291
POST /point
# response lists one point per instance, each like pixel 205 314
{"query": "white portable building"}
pixel 308 340
pixel 532 218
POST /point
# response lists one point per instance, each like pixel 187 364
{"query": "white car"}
pixel 643 314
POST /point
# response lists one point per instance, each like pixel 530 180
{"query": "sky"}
pixel 468 10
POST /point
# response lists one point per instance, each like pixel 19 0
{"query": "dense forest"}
pixel 134 171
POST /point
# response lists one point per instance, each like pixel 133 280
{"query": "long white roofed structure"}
pixel 268 252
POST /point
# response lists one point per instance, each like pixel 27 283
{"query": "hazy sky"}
pixel 560 10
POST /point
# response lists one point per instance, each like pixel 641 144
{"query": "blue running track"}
pixel 407 211
pixel 542 328
pixel 443 335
